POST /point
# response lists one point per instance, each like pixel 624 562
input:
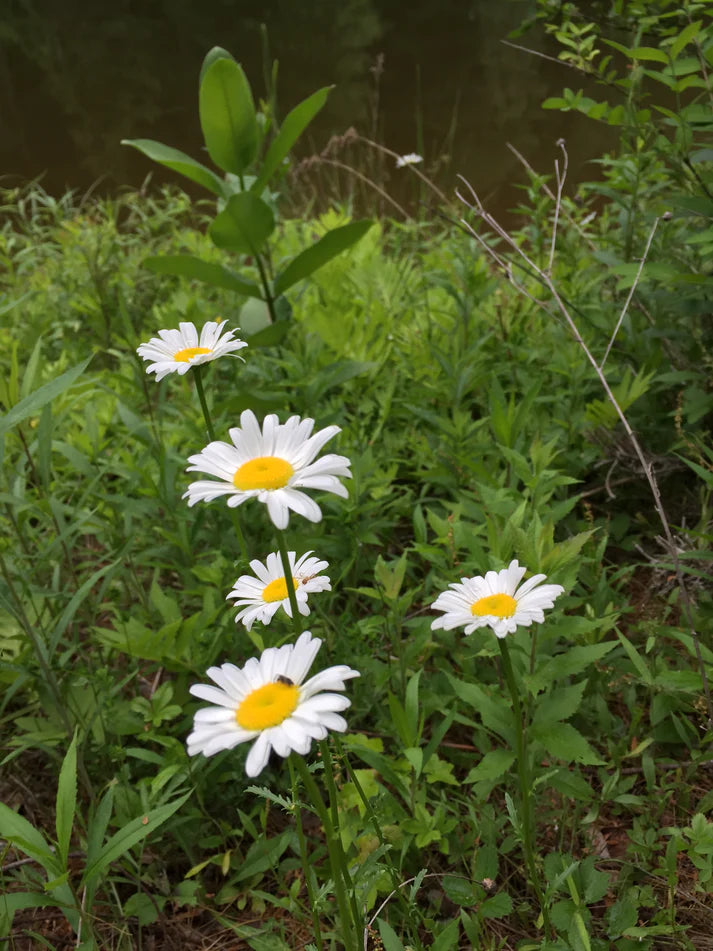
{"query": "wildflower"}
pixel 272 466
pixel 176 351
pixel 495 600
pixel 412 158
pixel 266 701
pixel 261 597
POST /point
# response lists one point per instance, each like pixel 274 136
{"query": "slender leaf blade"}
pixel 32 404
pixel 16 829
pixel 127 837
pixel 291 129
pixel 314 257
pixel 66 801
pixel 179 162
pixel 217 275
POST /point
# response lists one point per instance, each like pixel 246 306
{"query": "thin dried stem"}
pixel 560 178
pixel 631 290
pixel 545 277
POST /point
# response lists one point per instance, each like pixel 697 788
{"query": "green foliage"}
pixel 477 433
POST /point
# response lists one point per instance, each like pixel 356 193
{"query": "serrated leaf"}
pixel 498 906
pixel 564 742
pixel 217 275
pixel 560 704
pixel 227 115
pixel 572 661
pixel 459 890
pixel 329 246
pixel 179 162
pixel 492 766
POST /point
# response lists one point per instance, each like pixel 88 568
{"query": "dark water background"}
pixel 77 77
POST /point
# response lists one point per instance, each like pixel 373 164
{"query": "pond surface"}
pixel 429 76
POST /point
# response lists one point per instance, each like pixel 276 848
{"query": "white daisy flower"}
pixel 176 351
pixel 495 600
pixel 261 597
pixel 266 701
pixel 271 465
pixel 412 158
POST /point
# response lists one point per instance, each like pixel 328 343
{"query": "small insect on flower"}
pixel 176 351
pixel 495 600
pixel 260 598
pixel 267 701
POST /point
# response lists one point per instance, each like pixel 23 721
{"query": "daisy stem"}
pixel 524 776
pixel 337 860
pixel 334 806
pixel 197 376
pixel 306 867
pixel 393 871
pixel 289 581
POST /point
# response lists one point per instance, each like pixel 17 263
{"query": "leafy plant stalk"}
pixel 523 771
pixel 337 859
pixel 306 867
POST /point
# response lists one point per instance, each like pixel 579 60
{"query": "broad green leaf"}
pixel 66 801
pixel 185 265
pixel 648 54
pixel 127 837
pixel 495 713
pixel 227 114
pixel 560 704
pixel 17 901
pixel 492 766
pixel 217 52
pixel 686 36
pixel 244 225
pixel 293 126
pixel 312 258
pixel 459 890
pixel 179 162
pixel 498 906
pixel 390 939
pixel 24 836
pixel 32 404
pixel 447 940
pixel 564 742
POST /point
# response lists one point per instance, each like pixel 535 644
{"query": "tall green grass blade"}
pixel 126 838
pixel 66 802
pixel 32 404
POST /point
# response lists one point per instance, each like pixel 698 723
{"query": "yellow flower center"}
pixel 264 472
pixel 267 706
pixel 183 356
pixel 498 605
pixel 277 590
